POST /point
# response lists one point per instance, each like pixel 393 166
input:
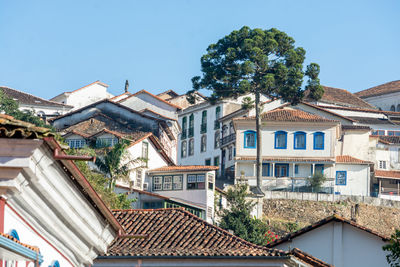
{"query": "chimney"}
pixel 126 86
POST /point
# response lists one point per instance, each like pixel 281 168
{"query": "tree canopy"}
pixel 250 59
pixel 393 247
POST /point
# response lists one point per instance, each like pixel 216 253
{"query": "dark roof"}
pixel 355 127
pixel 305 257
pixel 340 97
pixel 289 115
pixel 333 218
pixel 386 88
pixel 390 139
pixel 28 99
pixel 12 128
pixel 369 120
pixel 178 233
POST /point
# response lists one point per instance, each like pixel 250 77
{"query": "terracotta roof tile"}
pixel 287 159
pixel 341 97
pixel 178 233
pixel 305 257
pixel 36 249
pixel 28 99
pixel 351 160
pixel 389 139
pixel 12 128
pixel 356 127
pixel 290 115
pixel 387 174
pixel 322 222
pixel 185 168
pixel 386 88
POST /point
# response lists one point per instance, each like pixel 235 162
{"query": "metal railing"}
pixel 227 139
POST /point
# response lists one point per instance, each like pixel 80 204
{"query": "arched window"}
pixel 14 234
pixel 183 149
pixel 280 140
pixel 191 147
pixel 216 139
pixel 299 141
pixel 392 108
pixel 319 140
pixel 203 145
pixel 250 139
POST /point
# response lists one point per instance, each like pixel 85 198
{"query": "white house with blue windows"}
pixel 295 145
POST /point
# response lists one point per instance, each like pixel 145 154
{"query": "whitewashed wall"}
pixel 358 180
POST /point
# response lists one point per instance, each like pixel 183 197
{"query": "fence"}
pixel 374 201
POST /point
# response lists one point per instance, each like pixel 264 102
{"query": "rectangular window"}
pixel 216 161
pixel 183 149
pixel 382 164
pixel 177 182
pixel 196 181
pixel 300 140
pixel 157 183
pixel 281 170
pixel 280 140
pixel 207 162
pixel 184 128
pixel 145 152
pixel 139 178
pixel 191 147
pixel 378 132
pixel 216 139
pixel 167 183
pixel 249 139
pixel 203 145
pixel 319 140
pixel 210 179
pixel 319 168
pixel 230 153
pixel 265 169
pixel 296 169
pixel 341 177
pixel 191 125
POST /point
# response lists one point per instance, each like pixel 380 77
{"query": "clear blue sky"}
pixel 48 47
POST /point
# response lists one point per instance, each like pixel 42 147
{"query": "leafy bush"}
pixel 316 181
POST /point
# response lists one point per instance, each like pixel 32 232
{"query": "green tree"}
pixel 238 219
pixel 257 61
pixel 100 182
pixel 10 107
pixel 116 163
pixel 316 181
pixel 394 248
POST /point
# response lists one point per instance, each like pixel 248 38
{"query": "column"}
pixel 313 169
pixel 380 186
pixel 273 169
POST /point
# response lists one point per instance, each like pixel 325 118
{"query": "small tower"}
pixel 126 86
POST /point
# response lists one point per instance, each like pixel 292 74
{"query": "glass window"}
pixel 191 147
pixel 178 182
pixel 184 123
pixel 167 183
pixel 216 139
pixel 191 121
pixel 204 117
pixel 392 108
pixel 250 139
pixel 207 162
pixel 299 140
pixel 217 112
pixel 319 140
pixel 157 183
pixel 216 161
pixel 319 168
pixel 382 164
pixel 230 153
pixel 183 149
pixel 265 169
pixel 210 179
pixel 341 177
pixel 196 181
pixel 145 150
pixel 280 140
pixel 296 169
pixel 281 170
pixel 139 178
pixel 398 107
pixel 203 146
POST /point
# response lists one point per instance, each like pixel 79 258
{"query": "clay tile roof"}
pixel 156 97
pixel 386 88
pixel 387 174
pixel 389 139
pixel 356 127
pixel 350 160
pixel 178 233
pixel 28 99
pixel 36 249
pixel 333 218
pixel 341 97
pixel 287 159
pixel 305 257
pixel 12 128
pixel 289 115
pixel 185 168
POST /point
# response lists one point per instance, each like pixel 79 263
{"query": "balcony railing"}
pixel 203 128
pixel 191 132
pixel 184 134
pixel 216 125
pixel 227 139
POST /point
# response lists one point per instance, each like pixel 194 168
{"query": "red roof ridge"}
pixel 322 222
pixel 309 258
pixel 156 97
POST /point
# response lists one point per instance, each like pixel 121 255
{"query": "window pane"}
pixel 177 185
pixel 167 183
pixel 300 140
pixel 191 178
pixel 201 178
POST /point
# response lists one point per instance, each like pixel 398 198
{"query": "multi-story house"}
pixel 41 107
pixel 385 96
pixel 199 142
pixel 295 145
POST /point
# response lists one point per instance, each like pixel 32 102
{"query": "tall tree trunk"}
pixel 258 141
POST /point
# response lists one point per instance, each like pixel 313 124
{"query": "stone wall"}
pixel 285 215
